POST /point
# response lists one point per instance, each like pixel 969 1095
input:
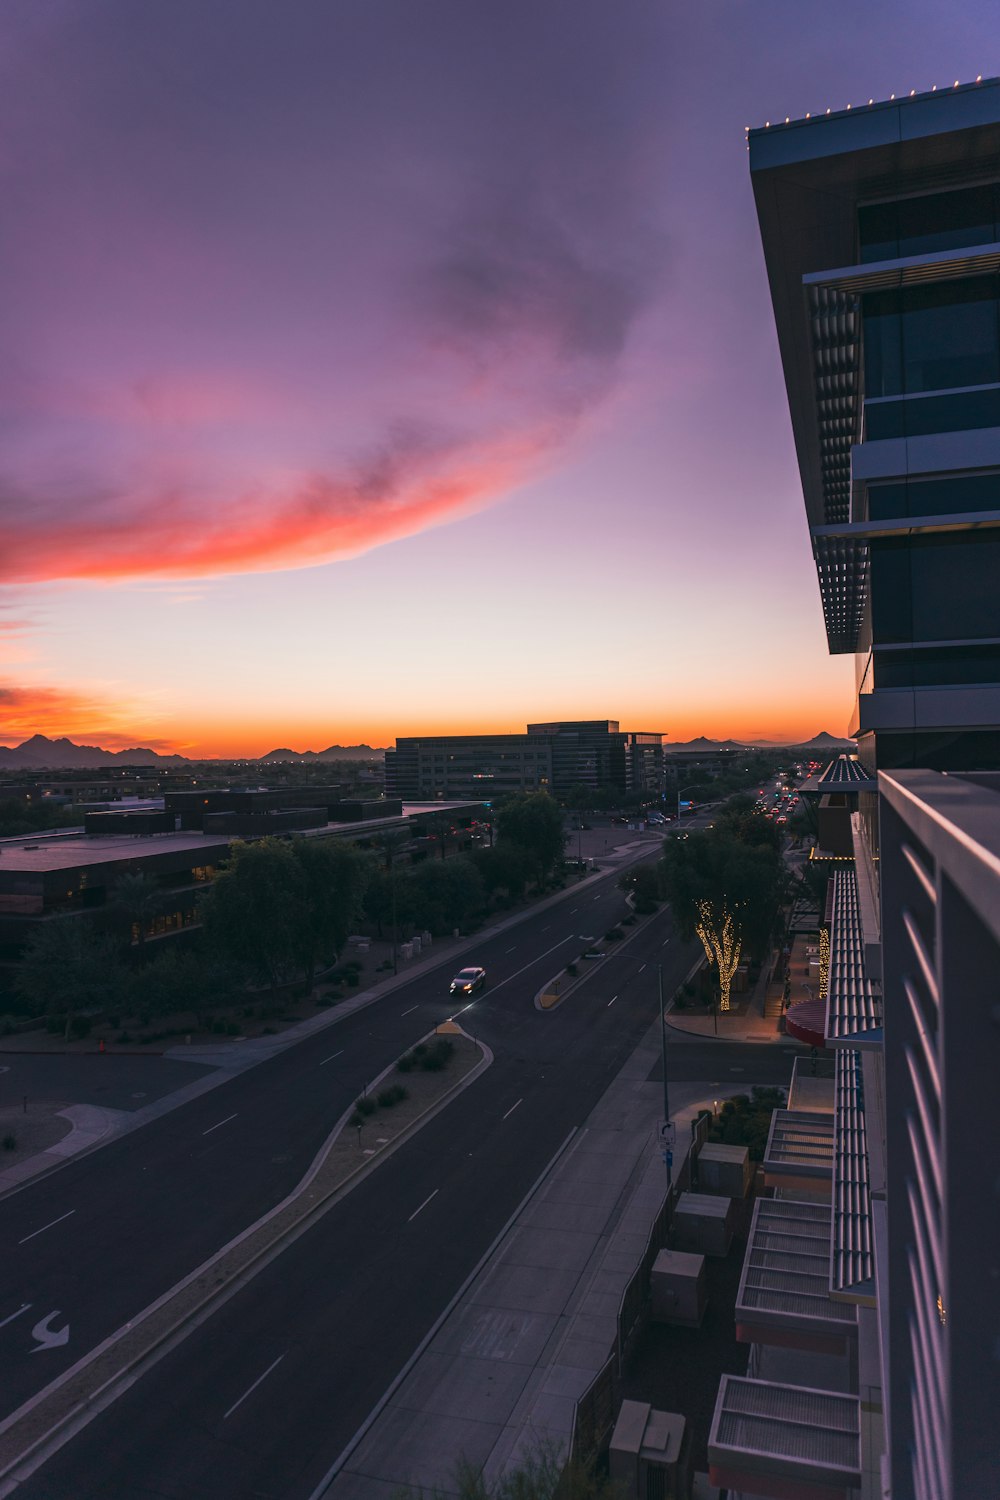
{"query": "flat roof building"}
pixel 554 757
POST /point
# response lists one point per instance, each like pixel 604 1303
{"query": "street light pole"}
pixel 663 1055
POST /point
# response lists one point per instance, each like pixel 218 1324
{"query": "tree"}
pixel 333 879
pixel 722 941
pixel 445 894
pixel 723 890
pixel 643 882
pixel 535 824
pixel 181 981
pixel 68 969
pixel 504 868
pixel 140 898
pixel 256 912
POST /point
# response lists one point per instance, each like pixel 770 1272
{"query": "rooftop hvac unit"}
pixel 651 1454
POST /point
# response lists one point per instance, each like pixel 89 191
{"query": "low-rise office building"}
pixel 555 757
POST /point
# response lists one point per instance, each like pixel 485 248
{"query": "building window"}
pixel 929 225
pixel 936 587
pixel 954 495
pixel 931 338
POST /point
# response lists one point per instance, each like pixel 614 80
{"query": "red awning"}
pixel 807 1022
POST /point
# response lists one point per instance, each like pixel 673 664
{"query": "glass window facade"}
pixel 932 338
pixel 938 587
pixel 926 225
pixel 936 666
pixel 956 494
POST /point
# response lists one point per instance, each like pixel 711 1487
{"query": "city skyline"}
pixel 339 413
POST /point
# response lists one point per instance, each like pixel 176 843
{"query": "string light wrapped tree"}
pixel 722 941
pixel 724 887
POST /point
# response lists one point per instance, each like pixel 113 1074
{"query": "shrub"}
pixel 323 1002
pixel 613 934
pixel 393 1095
pixel 355 1120
pixel 123 1038
pixel 80 1027
pixel 353 980
pixel 405 1063
pixel 571 968
pixel 10 1141
pixel 679 1001
pixel 438 1055
pixel 365 1105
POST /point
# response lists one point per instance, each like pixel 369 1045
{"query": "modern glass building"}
pixel 881 235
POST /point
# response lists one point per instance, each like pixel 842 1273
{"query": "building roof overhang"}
pixel 809 176
pixel 853 1004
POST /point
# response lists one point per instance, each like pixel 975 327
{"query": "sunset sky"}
pixel 396 366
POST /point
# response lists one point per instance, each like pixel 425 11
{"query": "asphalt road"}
pixel 108 1079
pixel 259 1401
pixel 99 1240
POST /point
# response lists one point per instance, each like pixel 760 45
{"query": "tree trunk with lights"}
pixel 722 944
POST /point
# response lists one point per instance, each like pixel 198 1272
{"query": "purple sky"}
pixel 371 367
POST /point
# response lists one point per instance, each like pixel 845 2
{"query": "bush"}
pixel 405 1063
pixel 571 968
pixel 10 1141
pixel 365 1105
pixel 613 934
pixel 679 1000
pixel 353 980
pixel 80 1027
pixel 393 1095
pixel 437 1056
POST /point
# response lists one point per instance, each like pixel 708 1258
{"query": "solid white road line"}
pixel 531 965
pixel 641 967
pixel 250 1392
pixel 219 1123
pixel 22 1309
pixel 31 1236
pixel 331 1057
pixel 422 1206
pixel 611 1001
pixel 506 1117
pixel 408 1012
pixel 546 927
pixel 512 950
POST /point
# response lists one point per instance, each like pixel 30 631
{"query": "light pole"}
pixel 663 1055
pixel 684 789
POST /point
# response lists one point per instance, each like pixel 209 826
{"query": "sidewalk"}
pixel 750 1026
pixel 537 1321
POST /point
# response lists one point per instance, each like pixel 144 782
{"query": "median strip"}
pixel 47 1420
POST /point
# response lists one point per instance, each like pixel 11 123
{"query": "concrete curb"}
pixel 83 1410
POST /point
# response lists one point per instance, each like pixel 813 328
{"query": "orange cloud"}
pixel 55 712
pixel 312 520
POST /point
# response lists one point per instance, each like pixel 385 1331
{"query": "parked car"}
pixel 468 981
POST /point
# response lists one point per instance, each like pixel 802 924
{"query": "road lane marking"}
pixel 422 1206
pixel 331 1057
pixel 220 1122
pixel 546 927
pixel 506 1117
pixel 531 965
pixel 641 967
pixel 250 1392
pixel 31 1236
pixel 512 950
pixel 409 1012
pixel 597 898
pixel 611 1001
pixel 737 1070
pixel 22 1309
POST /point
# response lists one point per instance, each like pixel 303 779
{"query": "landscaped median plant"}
pixel 385 1099
pixel 432 1057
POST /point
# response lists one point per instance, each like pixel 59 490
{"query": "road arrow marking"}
pixel 49 1338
